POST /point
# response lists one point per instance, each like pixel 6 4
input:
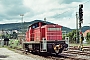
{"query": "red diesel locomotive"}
pixel 44 38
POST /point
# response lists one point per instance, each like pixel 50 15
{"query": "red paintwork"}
pixel 52 34
pixel 27 36
pixel 48 32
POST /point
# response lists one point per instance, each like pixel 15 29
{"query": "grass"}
pixel 12 45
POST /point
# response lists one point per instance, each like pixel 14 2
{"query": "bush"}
pixel 88 37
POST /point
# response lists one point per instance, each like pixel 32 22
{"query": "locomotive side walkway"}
pixel 6 54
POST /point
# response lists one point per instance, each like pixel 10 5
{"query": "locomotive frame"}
pixel 42 37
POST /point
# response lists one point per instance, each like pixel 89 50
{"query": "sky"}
pixel 62 12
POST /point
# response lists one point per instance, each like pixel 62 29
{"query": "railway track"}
pixel 87 53
pixel 75 50
pixel 71 54
pixel 66 57
pixel 85 48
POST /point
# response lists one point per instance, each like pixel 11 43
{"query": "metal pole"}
pixel 80 36
pixel 80 22
pixel 45 20
pixel 22 22
pixel 89 26
pixel 76 27
pixel 2 40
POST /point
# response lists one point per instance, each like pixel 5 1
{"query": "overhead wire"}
pixel 86 1
pixel 73 7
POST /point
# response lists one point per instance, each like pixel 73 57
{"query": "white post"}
pixel 2 42
pixel 44 44
pixel 67 41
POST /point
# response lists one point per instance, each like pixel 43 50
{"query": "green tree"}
pixel 7 35
pixel 14 35
pixel 88 37
pixel 72 36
